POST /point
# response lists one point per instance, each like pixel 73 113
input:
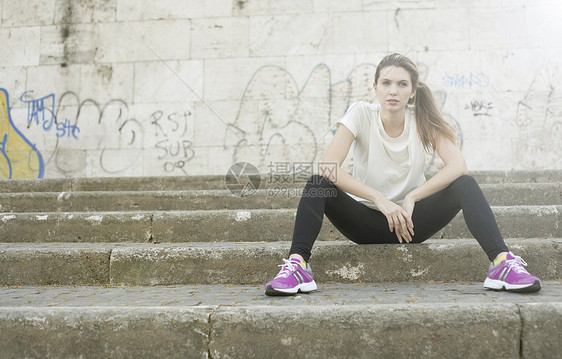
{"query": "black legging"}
pixel 365 225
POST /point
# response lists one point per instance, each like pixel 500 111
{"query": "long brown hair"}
pixel 431 125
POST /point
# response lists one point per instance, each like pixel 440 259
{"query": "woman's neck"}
pixel 393 122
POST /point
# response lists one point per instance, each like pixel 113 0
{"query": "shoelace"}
pixel 287 268
pixel 517 264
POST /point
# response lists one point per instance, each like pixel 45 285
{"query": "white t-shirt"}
pixel 393 166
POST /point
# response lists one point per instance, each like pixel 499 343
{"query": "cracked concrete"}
pixel 222 321
pixel 219 320
pixel 227 262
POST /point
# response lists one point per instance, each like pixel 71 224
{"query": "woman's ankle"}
pixel 297 256
pixel 499 258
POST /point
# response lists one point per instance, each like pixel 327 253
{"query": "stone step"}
pixel 232 225
pixel 255 263
pixel 215 295
pixel 218 182
pixel 392 319
pixel 510 194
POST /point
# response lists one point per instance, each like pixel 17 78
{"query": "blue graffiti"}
pixel 3 151
pixel 37 112
pixel 42 111
pixel 65 129
pixel 466 81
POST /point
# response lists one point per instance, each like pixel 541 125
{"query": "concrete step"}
pixel 449 320
pixel 255 263
pixel 146 200
pixel 510 194
pixel 218 182
pixel 232 225
pixel 215 295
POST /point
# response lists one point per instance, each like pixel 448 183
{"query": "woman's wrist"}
pixel 376 197
pixel 411 197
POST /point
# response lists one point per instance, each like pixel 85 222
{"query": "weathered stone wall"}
pixel 170 87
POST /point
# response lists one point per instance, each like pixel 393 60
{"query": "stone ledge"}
pixel 83 227
pixel 218 182
pixel 221 295
pixel 54 264
pixel 402 330
pixel 334 262
pixel 104 332
pixel 232 225
pixel 541 335
pixel 505 194
pixel 256 263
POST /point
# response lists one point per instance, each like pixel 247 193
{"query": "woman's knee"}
pixel 464 184
pixel 320 186
pixel 464 181
pixel 319 181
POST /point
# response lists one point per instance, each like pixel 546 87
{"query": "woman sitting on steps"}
pixel 387 199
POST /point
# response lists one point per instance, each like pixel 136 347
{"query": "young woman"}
pixel 387 198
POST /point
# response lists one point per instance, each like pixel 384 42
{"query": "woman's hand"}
pixel 399 220
pixel 408 206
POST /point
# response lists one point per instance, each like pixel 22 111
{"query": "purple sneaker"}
pixel 291 279
pixel 510 275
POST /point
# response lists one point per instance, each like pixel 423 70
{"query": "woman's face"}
pixel 394 88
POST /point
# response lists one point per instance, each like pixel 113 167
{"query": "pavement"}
pixel 365 320
pixel 251 296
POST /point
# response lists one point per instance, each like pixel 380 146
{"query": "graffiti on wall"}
pixel 113 133
pixel 480 108
pixel 172 133
pixel 41 112
pixel 108 127
pixel 539 120
pixel 19 157
pixel 102 137
pixel 106 136
pixel 278 121
pixel 470 80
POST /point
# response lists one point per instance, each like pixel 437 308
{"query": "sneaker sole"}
pixel 302 288
pixel 495 284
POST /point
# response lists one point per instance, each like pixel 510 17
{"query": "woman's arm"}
pixel 332 162
pixel 455 166
pixel 330 167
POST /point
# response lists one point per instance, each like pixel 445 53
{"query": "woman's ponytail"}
pixel 431 125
